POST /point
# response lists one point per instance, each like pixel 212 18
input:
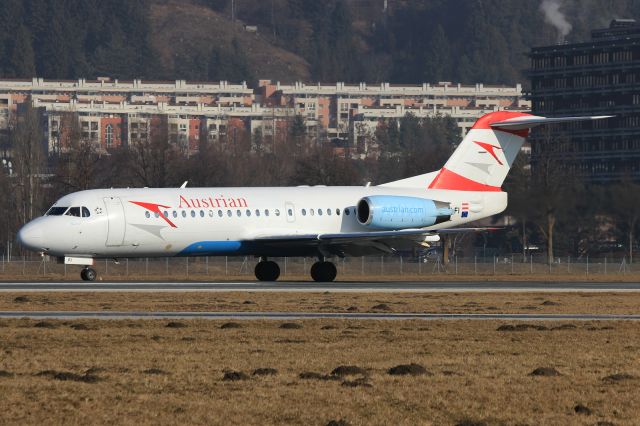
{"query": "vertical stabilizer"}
pixel 483 158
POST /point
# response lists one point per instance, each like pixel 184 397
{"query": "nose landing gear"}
pixel 267 270
pixel 88 274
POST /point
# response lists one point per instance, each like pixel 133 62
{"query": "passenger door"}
pixel 116 221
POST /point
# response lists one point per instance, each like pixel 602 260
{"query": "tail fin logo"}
pixel 490 149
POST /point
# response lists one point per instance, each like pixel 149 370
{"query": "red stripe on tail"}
pixel 485 121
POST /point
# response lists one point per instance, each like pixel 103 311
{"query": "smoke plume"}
pixel 552 15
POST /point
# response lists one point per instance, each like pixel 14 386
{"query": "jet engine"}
pixel 399 212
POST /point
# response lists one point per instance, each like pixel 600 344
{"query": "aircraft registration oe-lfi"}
pixel 317 221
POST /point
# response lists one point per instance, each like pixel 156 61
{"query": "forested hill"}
pixel 412 41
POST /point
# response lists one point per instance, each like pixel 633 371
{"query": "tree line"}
pixel 467 41
pixel 548 205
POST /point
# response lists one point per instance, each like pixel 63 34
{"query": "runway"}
pixel 301 286
pixel 66 315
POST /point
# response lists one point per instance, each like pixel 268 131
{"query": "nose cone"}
pixel 30 236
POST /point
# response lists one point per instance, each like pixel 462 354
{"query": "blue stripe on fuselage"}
pixel 212 248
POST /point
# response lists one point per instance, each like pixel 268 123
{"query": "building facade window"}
pixel 109 135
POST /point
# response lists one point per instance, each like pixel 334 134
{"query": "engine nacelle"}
pixel 397 212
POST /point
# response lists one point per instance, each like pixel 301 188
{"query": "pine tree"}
pixel 437 66
pixel 22 60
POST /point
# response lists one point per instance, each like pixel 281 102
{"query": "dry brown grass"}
pixel 74 275
pixel 106 372
pixel 487 303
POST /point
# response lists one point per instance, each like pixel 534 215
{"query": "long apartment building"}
pixel 113 113
pixel 341 110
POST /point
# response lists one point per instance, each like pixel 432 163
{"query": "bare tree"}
pixel 324 166
pixel 625 204
pixel 149 158
pixel 553 185
pixel 29 159
pixel 78 161
pixel 518 185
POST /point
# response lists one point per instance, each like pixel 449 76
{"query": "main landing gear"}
pixel 321 271
pixel 267 270
pixel 88 274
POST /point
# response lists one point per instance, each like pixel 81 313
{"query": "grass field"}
pixel 202 372
pixel 74 275
pixel 512 302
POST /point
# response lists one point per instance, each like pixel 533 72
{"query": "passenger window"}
pixel 319 212
pixel 220 213
pixel 184 213
pixel 193 213
pixel 277 212
pixel 290 212
pixel 201 213
pixel 304 212
pixel 147 214
pixel 239 213
pixel 156 214
pixel 346 211
pixel 73 211
pixel 257 212
pixel 85 212
pixel 229 213
pixel 166 213
pixel 266 212
pixel 338 212
pixel 248 212
pixel 210 213
pixel 329 212
pixel 312 211
pixel 175 214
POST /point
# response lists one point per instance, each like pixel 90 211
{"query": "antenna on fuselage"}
pixel 184 185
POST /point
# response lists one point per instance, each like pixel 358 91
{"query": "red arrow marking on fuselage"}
pixel 155 208
pixel 490 149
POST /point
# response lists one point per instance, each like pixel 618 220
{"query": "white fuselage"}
pixel 220 221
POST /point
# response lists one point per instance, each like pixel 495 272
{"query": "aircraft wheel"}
pixel 88 274
pixel 267 270
pixel 324 272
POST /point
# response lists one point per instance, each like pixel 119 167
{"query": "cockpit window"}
pixel 85 212
pixel 56 211
pixel 73 211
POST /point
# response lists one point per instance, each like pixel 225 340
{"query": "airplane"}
pixel 318 221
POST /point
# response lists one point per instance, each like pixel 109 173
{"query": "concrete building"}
pixel 597 77
pixel 114 114
pixel 332 110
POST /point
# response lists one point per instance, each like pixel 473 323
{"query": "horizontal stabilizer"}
pixel 531 121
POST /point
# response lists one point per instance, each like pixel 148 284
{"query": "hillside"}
pixel 185 34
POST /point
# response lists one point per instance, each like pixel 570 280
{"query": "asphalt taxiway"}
pixel 302 286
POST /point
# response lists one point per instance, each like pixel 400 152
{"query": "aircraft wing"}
pixel 373 235
pixel 403 233
pixel 359 243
